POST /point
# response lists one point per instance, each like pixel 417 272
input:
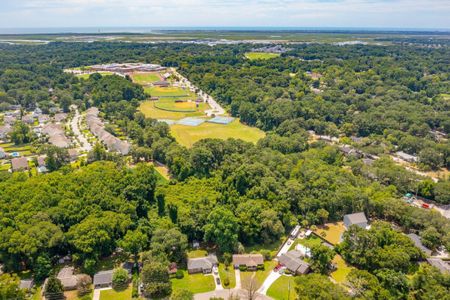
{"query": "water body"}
pixel 156 30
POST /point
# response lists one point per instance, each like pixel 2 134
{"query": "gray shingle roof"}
pixel 443 266
pixel 206 262
pixel 248 259
pixel 354 219
pixel 103 277
pixel 292 260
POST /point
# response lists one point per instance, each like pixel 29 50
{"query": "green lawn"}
pixel 86 76
pixel 260 275
pixel 197 253
pixel 73 295
pixel 342 270
pixel 188 135
pixel 150 111
pixel 273 248
pixel 279 289
pixel 116 295
pixel 196 283
pixel 145 78
pixel 24 149
pixel 260 55
pixel 230 274
pixel 168 92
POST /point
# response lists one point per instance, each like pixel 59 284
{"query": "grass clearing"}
pixel 280 288
pixel 197 253
pixel 340 275
pixel 145 78
pixel 273 248
pixel 116 295
pixel 261 55
pixel 188 135
pixel 86 76
pixel 332 232
pixel 229 273
pixel 196 283
pixel 73 295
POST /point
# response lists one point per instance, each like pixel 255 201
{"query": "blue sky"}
pixel 301 13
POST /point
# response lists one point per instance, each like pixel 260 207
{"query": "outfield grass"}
pixel 157 91
pixel 230 274
pixel 186 106
pixel 260 55
pixel 150 111
pixel 188 135
pixel 333 232
pixel 340 275
pixel 196 283
pixel 145 78
pixel 279 289
pixel 116 295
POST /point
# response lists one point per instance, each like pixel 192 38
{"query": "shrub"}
pixel 242 268
pixel 267 255
pixel 120 279
pixel 179 274
pixel 261 267
pixel 84 285
pixel 226 281
pixel 54 289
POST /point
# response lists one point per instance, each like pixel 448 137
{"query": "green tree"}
pixel 42 267
pixel 9 287
pixel 55 157
pixel 172 242
pixel 182 294
pixel 21 133
pixel 134 242
pixel 321 257
pixel 316 286
pixel 222 228
pixel 431 238
pixel 120 279
pixel 155 279
pixel 54 289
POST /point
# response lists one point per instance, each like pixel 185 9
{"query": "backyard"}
pixel 188 135
pixel 196 283
pixel 331 232
pixel 342 270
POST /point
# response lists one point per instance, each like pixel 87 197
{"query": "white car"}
pixel 216 270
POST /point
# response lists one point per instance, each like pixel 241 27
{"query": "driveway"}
pixel 237 274
pixel 96 295
pixel 75 125
pixel 285 247
pixel 218 286
pixel 273 276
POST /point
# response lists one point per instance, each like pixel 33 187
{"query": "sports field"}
pixel 150 109
pixel 188 135
pixel 157 91
pixel 260 55
pixel 145 78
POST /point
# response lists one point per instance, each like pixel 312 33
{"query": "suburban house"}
pixel 56 135
pixel 19 164
pixel 418 243
pixel 103 279
pixel 202 264
pixel 443 266
pixel 250 261
pixel 358 219
pixel 42 167
pixel 59 117
pixel 29 119
pixel 292 260
pixel 68 278
pixel 73 154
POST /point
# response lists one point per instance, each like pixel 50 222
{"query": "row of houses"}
pixel 97 128
pixel 128 67
pixel 206 264
pixel 56 135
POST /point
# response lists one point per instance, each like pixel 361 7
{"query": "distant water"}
pixel 155 30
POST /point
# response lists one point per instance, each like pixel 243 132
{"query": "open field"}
pixel 150 111
pixel 187 106
pixel 279 289
pixel 342 270
pixel 157 91
pixel 145 78
pixel 196 283
pixel 333 232
pixel 188 135
pixel 261 55
pixel 116 295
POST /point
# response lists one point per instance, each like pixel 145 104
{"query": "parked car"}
pixel 218 281
pixel 216 270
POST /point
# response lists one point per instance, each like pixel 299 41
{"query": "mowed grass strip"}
pixel 282 287
pixel 188 135
pixel 156 91
pixel 196 283
pixel 261 55
pixel 150 111
pixel 145 78
pixel 116 295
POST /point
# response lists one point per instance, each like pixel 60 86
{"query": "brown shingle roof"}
pixel 249 260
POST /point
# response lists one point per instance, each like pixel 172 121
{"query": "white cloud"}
pixel 322 13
